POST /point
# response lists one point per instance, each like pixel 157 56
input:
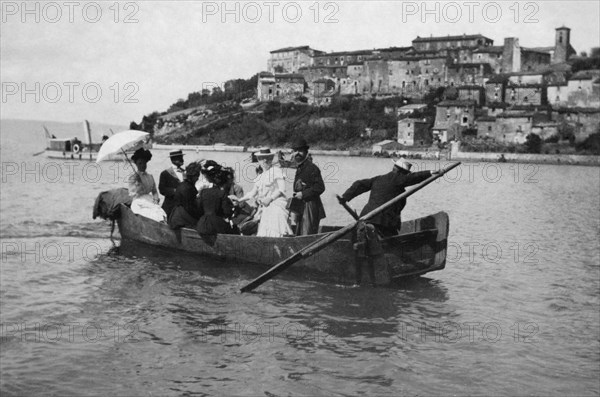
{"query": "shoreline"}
pixel 551 159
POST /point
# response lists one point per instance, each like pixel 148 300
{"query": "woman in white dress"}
pixel 269 192
pixel 142 189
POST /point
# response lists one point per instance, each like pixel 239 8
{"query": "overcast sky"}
pixel 114 62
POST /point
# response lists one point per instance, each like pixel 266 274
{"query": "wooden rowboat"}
pixel 419 248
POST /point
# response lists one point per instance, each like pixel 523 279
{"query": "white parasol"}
pixel 120 142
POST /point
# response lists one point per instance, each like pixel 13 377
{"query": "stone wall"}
pixel 457 155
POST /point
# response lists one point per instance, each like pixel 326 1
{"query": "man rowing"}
pixel 383 188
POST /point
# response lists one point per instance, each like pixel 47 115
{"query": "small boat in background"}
pixel 75 149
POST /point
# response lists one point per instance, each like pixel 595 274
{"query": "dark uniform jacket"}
pixel 384 188
pixel 167 184
pixel 308 180
pixel 185 211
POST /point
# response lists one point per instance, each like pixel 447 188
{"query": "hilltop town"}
pixel 437 90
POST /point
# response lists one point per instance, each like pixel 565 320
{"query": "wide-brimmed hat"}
pixel 402 164
pixel 264 153
pixel 299 143
pixel 141 154
pixel 176 153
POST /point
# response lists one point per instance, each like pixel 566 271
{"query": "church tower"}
pixel 562 45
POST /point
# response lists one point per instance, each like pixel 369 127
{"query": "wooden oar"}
pixel 347 207
pixel 332 237
pixel 38 153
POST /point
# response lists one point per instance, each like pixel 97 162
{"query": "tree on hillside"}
pixel 434 96
pixel 591 143
pixel 533 143
pixel 591 62
pixel 179 105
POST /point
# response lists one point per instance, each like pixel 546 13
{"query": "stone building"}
pixel 279 87
pixel 545 129
pixel 341 58
pixel 265 90
pixel 584 89
pixel 525 94
pixel 472 92
pixel 491 55
pixel 444 42
pixel 414 132
pixel 385 146
pixel 452 118
pixel 354 83
pixel 534 59
pixel 487 127
pixel 432 71
pixel 513 126
pixel 467 73
pixel 583 121
pixel 290 59
pixel 494 88
pixel 404 75
pixel 322 86
pixel 562 45
pixel 376 76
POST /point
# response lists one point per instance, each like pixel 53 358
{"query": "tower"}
pixel 562 45
pixel 511 55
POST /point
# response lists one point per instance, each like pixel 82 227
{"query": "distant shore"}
pixel 556 159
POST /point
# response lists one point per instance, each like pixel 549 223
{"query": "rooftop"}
pixel 457 102
pixel 447 38
pixel 299 48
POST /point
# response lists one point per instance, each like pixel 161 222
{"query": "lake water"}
pixel 515 312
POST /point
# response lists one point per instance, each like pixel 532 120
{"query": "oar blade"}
pixel 272 272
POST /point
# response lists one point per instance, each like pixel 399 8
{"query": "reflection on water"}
pixel 514 312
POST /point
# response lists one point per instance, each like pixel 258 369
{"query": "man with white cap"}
pixel 367 235
pixel 170 179
pixel 383 188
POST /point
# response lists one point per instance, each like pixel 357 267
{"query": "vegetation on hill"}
pixel 348 123
pixel 235 90
pixel 343 125
pixel 589 62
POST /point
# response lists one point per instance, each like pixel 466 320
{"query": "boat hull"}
pixel 83 155
pixel 420 247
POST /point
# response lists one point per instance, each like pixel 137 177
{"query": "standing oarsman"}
pixel 170 179
pixel 368 234
pixel 308 187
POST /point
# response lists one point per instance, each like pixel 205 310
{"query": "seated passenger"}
pixel 185 212
pixel 142 189
pixel 242 212
pixel 207 166
pixel 269 192
pixel 214 205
